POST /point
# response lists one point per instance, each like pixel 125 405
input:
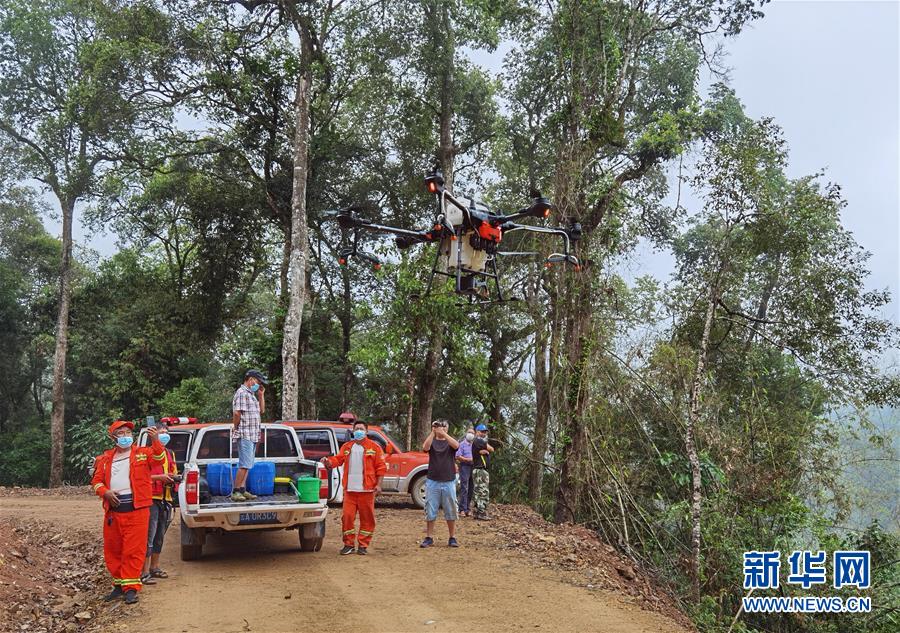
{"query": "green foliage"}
pixel 85 440
pixel 24 457
pixel 191 398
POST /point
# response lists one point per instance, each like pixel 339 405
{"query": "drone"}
pixel 468 234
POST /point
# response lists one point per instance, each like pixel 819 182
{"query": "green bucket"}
pixel 307 489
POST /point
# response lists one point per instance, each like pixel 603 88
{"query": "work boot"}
pixel 114 594
pixel 362 551
pixel 482 516
pixel 238 497
pixel 347 549
pixel 131 596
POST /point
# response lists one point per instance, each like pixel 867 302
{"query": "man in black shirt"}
pixel 481 456
pixel 440 484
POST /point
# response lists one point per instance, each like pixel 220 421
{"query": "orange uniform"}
pixel 362 503
pixel 125 531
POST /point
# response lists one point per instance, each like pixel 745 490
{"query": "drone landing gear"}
pixel 473 284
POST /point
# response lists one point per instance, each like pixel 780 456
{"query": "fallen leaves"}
pixel 47 588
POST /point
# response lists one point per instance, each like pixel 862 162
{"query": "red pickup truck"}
pixel 405 469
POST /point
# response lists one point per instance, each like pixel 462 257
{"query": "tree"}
pixel 770 268
pixel 622 81
pixel 77 82
pixel 29 260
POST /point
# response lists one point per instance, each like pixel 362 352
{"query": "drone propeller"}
pixel 540 207
pixel 347 252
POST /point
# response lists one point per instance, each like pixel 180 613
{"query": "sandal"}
pixel 147 579
pixel 158 573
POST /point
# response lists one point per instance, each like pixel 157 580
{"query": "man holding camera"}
pixel 122 479
pixel 440 484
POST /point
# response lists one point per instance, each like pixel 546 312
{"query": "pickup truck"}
pixel 203 514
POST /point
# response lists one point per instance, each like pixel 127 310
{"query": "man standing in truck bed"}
pixel 247 405
pixel 364 468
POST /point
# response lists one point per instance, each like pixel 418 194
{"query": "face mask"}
pixel 125 441
pixel 470 436
pixel 358 435
pixel 164 438
pixel 254 387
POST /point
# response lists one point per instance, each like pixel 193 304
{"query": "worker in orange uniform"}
pixel 122 480
pixel 164 478
pixel 364 467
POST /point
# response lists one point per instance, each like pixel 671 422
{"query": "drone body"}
pixel 469 237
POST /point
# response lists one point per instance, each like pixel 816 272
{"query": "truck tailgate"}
pixel 224 502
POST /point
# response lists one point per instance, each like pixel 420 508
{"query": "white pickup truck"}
pixel 203 514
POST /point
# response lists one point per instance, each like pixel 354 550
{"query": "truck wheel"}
pixel 417 491
pixel 311 536
pixel 310 544
pixel 192 540
pixel 191 552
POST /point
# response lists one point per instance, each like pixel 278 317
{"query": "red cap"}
pixel 118 424
pixel 347 414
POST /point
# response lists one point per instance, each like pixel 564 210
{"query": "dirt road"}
pixel 262 583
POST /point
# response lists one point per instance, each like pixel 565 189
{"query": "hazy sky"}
pixel 828 74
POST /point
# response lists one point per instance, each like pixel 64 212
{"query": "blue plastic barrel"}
pixel 221 479
pixel 261 478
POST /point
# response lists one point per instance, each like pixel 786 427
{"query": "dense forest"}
pixel 686 419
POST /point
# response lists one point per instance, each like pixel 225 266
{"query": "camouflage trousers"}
pixel 481 494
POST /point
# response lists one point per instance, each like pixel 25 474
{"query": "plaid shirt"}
pixel 245 401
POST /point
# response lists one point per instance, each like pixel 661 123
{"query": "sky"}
pixel 828 73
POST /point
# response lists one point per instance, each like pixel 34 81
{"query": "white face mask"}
pixel 470 436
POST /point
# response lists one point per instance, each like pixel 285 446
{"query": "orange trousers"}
pixel 362 503
pixel 125 546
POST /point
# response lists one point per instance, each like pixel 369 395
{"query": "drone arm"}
pixel 352 222
pixel 565 256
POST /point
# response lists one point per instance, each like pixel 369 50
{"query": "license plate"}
pixel 255 518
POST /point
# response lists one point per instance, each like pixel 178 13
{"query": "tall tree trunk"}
pixel 690 432
pixel 763 308
pixel 542 415
pixel 58 412
pixel 308 409
pixel 499 347
pixel 410 394
pixel 346 330
pixel 446 155
pixel 578 344
pixel 299 246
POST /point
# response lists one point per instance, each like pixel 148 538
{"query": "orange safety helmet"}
pixel 118 424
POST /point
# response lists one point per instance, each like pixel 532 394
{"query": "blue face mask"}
pixel 358 435
pixel 254 387
pixel 125 441
pixel 164 438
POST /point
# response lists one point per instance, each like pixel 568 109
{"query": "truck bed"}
pixel 221 501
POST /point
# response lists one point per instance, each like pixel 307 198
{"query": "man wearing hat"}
pixel 122 480
pixel 481 479
pixel 248 405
